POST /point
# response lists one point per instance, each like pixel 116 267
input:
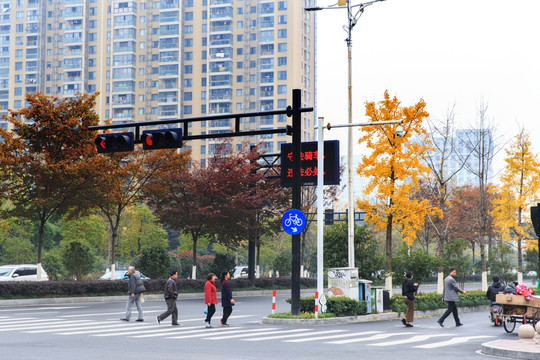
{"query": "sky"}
pixel 460 53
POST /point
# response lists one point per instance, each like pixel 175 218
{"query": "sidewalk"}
pixel 512 349
pixel 385 316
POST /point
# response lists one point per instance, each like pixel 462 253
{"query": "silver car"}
pixel 22 272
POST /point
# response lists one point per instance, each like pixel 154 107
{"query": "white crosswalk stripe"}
pixel 370 338
pixel 319 338
pixel 417 338
pixel 453 341
pixel 91 326
pixel 289 335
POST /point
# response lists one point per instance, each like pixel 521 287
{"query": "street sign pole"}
pixel 296 199
pixel 320 205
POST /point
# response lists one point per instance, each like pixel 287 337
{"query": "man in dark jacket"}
pixel 408 290
pixel 171 295
pixel 135 290
pixel 493 289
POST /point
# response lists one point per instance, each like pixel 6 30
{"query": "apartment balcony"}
pixel 220 2
pixel 167 99
pixel 168 4
pixel 222 13
pixel 221 26
pixel 123 100
pixel 122 113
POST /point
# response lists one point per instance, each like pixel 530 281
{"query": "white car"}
pixel 119 274
pixel 21 272
pixel 240 272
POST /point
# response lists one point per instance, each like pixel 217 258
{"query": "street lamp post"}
pixel 352 19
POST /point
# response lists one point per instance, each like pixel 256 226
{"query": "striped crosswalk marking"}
pixel 89 329
pixel 294 335
pixel 319 338
pixel 191 330
pixel 370 338
pixel 416 338
pixel 244 333
pixel 453 341
pixel 160 331
pixel 64 325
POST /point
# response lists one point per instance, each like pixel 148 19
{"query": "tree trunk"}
pixel 389 244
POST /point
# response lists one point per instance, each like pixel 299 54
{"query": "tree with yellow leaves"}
pixel 520 182
pixel 394 168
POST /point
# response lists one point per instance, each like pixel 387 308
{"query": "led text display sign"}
pixel 308 161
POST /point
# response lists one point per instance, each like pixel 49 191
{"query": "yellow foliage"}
pixel 394 166
pixel 520 183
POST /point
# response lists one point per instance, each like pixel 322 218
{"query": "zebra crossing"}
pixel 68 326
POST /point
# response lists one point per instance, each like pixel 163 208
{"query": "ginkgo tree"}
pixel 393 169
pixel 519 185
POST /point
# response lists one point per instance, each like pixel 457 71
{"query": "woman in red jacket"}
pixel 210 297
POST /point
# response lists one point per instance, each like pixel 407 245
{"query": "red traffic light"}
pixel 162 139
pixel 117 142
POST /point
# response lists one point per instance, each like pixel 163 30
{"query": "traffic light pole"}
pixel 296 200
pixel 295 130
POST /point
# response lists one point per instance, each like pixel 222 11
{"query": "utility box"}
pixel 378 300
pixel 364 293
pixel 343 282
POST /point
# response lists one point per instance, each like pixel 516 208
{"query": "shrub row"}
pixel 433 301
pixel 338 305
pixel 36 289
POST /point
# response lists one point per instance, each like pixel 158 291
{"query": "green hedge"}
pixel 42 289
pixel 432 301
pixel 338 305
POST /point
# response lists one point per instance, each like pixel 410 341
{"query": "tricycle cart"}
pixel 517 309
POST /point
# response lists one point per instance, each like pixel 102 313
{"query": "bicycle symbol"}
pixel 293 219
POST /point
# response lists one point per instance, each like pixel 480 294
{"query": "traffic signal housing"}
pixel 116 142
pixel 161 139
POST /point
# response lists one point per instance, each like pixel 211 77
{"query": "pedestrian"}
pixel 135 290
pixel 227 301
pixel 450 295
pixel 171 295
pixel 408 290
pixel 210 298
pixel 495 288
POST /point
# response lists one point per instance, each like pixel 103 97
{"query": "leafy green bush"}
pixel 432 301
pixel 287 315
pixel 339 305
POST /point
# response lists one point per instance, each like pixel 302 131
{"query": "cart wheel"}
pixel 509 324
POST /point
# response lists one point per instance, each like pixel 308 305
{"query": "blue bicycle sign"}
pixel 293 221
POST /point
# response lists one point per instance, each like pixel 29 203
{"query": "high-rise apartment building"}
pixel 166 59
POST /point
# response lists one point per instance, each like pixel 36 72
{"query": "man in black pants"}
pixel 450 295
pixel 171 295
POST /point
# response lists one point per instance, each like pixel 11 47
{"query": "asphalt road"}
pixel 94 331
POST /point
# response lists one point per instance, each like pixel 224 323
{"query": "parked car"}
pixel 119 274
pixel 240 272
pixel 21 272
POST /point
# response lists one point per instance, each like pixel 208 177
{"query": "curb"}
pixel 363 318
pixel 512 349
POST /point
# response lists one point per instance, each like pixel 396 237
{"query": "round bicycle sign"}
pixel 293 221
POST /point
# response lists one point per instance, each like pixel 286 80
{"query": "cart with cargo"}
pixel 517 309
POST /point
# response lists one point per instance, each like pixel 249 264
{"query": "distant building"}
pixel 467 141
pixel 165 59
